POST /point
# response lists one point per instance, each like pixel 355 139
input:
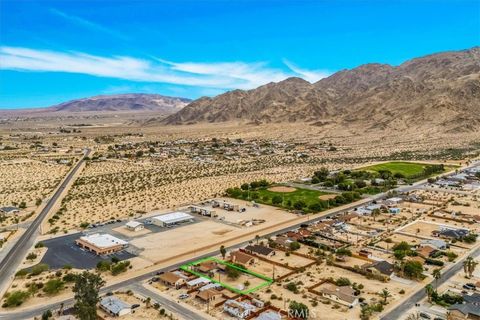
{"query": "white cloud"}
pixel 88 24
pixel 216 75
pixel 309 75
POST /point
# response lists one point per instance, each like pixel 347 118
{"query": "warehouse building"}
pixel 171 219
pixel 101 243
pixel 134 226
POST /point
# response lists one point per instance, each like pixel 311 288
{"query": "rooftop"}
pixel 114 304
pixel 344 293
pixel 133 224
pixel 103 240
pixel 173 216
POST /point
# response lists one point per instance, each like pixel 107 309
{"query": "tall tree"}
pixel 429 292
pixel 86 288
pixel 436 275
pixel 223 251
pixel 385 294
pixel 469 266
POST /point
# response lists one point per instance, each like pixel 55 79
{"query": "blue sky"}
pixel 53 51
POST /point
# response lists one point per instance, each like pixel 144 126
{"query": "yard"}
pixel 239 280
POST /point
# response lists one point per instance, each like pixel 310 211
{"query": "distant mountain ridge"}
pixel 122 102
pixel 441 90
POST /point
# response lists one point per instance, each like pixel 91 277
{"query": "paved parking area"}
pixel 63 251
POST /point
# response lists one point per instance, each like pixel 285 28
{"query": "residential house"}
pixel 343 295
pixel 207 266
pixel 209 295
pixel 9 210
pixel 426 251
pixel 451 233
pixel 379 267
pixel 436 243
pixel 242 258
pixel 114 306
pixel 294 236
pixel 393 201
pixel 260 250
pixel 172 279
pixel 469 309
pixel 238 309
pixel 197 283
pixel 282 242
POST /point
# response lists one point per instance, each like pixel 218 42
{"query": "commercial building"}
pixel 101 243
pixel 134 226
pixel 171 219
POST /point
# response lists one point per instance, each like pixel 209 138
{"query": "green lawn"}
pixel 407 169
pixel 306 195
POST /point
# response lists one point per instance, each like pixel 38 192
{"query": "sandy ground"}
pixel 282 189
pixel 327 196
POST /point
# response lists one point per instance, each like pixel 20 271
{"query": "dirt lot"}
pixel 263 212
pixel 282 189
pixel 323 307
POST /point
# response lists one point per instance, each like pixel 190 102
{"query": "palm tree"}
pixel 436 275
pixel 375 213
pixel 257 238
pixel 429 292
pixel 147 302
pixel 469 266
pixel 385 294
pixel 223 251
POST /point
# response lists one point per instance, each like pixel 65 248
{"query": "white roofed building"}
pixel 101 243
pixel 114 306
pixel 171 219
pixel 134 226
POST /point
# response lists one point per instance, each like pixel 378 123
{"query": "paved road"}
pixel 14 257
pixel 68 302
pixel 167 304
pixel 420 294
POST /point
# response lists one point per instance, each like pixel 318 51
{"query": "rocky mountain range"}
pixel 123 102
pixel 439 90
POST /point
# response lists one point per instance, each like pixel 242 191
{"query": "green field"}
pixel 305 200
pixel 190 266
pixel 410 170
pixel 305 195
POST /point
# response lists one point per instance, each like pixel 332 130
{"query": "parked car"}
pixel 135 306
pixel 184 296
pixel 424 315
pixel 469 286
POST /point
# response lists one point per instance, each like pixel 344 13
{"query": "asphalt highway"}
pixel 14 257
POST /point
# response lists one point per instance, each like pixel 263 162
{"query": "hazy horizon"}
pixel 209 47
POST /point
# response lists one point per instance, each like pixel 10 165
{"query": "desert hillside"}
pixel 123 102
pixel 439 92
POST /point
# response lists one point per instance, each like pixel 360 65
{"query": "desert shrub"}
pixel 39 268
pixel 53 286
pixel 15 298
